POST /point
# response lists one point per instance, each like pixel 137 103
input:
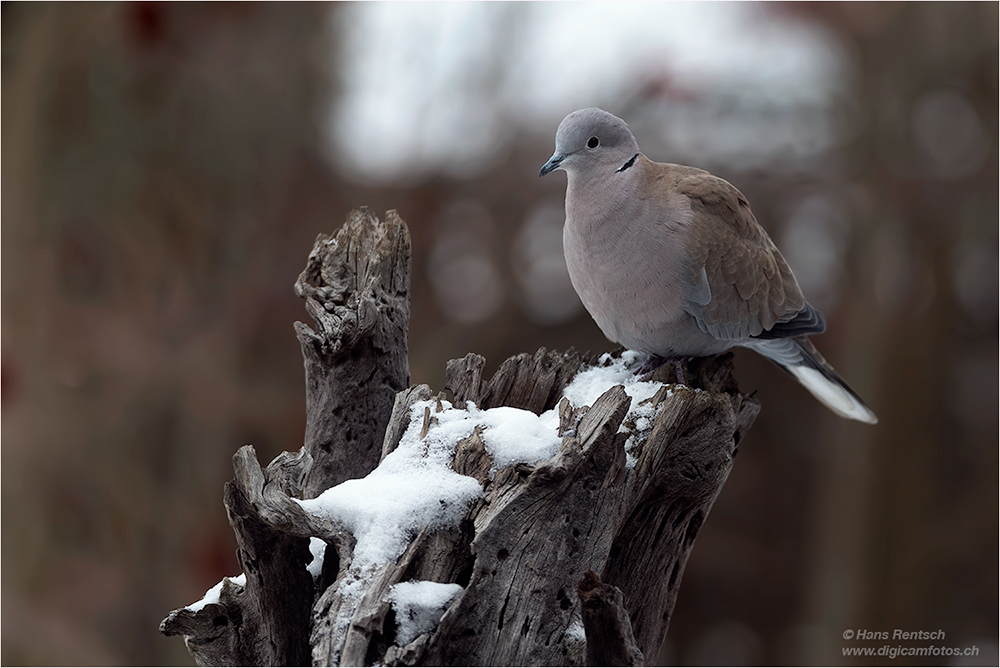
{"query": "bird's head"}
pixel 592 142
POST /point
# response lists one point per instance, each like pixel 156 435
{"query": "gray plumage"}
pixel 669 260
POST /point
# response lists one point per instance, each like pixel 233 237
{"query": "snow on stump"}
pixel 543 517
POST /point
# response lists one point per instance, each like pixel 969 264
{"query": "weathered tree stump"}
pixel 572 560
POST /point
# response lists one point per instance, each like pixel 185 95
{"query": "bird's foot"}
pixel 653 364
pixel 649 367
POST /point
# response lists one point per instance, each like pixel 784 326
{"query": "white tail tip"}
pixel 835 397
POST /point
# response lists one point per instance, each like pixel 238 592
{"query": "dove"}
pixel 670 261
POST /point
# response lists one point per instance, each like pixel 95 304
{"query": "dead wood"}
pixel 356 287
pixel 575 560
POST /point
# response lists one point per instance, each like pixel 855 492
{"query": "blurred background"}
pixel 166 168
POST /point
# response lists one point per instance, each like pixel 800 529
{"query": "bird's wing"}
pixel 738 284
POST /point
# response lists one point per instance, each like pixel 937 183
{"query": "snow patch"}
pixel 575 632
pixel 419 607
pixel 317 547
pixel 514 436
pixel 414 487
pixel 591 383
pixel 213 594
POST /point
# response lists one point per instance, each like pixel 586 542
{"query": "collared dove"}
pixel 670 261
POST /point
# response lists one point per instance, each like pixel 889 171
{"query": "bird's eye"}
pixel 593 142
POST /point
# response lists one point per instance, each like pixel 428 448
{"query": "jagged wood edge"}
pixel 356 287
pixel 266 621
pixel 608 628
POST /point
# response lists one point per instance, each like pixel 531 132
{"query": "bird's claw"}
pixel 653 363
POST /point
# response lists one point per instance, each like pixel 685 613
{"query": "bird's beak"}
pixel 551 165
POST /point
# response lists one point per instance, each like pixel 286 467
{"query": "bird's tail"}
pixel 799 357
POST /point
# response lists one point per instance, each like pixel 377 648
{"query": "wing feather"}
pixel 753 291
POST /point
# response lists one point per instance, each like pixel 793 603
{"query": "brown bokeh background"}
pixel 165 169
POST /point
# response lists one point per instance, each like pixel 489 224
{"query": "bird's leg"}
pixel 653 363
pixel 679 370
pixel 649 367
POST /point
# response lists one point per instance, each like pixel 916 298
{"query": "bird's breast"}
pixel 626 262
